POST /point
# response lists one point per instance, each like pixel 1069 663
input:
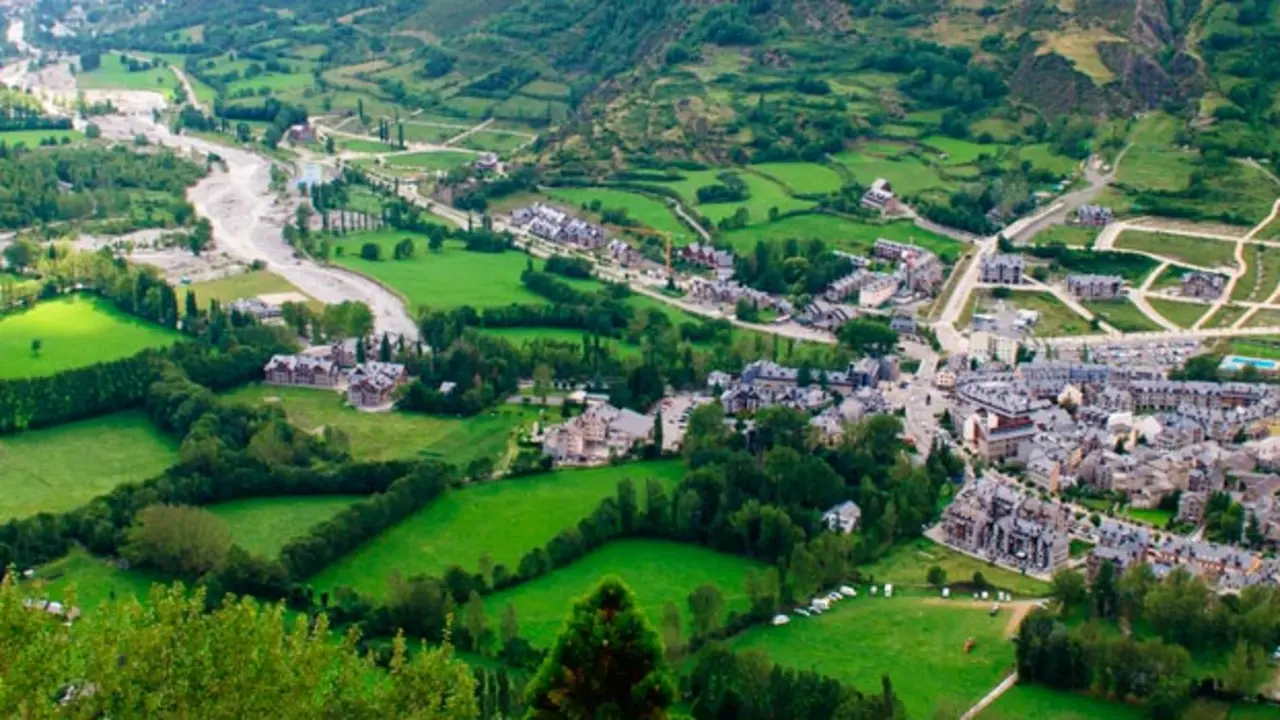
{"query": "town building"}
pixel 372 385
pixel 556 226
pixel 600 433
pixel 1203 285
pixel 998 346
pixel 1094 215
pixel 1095 287
pixel 256 308
pixel 1000 522
pixel 487 162
pixel 301 371
pixel 710 257
pixel 843 518
pixel 879 196
pixel 1002 269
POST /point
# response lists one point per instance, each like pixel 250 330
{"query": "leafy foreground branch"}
pixel 172 659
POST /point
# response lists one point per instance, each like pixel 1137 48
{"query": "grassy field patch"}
pixel 505 518
pixel 854 236
pixel 1037 702
pixel 918 642
pixel 803 178
pixel 1258 347
pixel 264 525
pixel 33 138
pixel 1200 252
pixel 522 335
pixel 961 152
pixel 1264 318
pixel 496 142
pixel 1262 269
pixel 60 468
pixel 649 211
pixel 1154 517
pixel 1182 314
pixel 238 287
pixel 364 146
pixel 908 175
pixel 443 161
pixel 763 195
pixel 908 564
pixel 1123 315
pixel 1226 316
pixel 657 571
pixel 1056 319
pixel 95 580
pixel 1069 235
pixel 74 331
pixel 385 436
pixel 115 76
pixel 1153 163
pixel 1081 48
pixel 1041 156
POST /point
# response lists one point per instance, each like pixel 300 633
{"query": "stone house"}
pixel 373 384
pixel 1003 269
pixel 595 436
pixel 301 371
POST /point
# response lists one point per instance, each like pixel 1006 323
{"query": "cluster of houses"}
pixel 710 257
pixel 600 434
pixel 730 292
pixel 556 226
pixel 1095 287
pixel 368 385
pixel 1001 522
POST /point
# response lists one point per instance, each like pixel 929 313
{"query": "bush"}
pixel 371 251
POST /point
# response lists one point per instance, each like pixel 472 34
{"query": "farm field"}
pixel 63 467
pixel 918 642
pixel 763 195
pixel 32 138
pixel 504 518
pixel 443 161
pixel 649 211
pixel 841 233
pixel 908 564
pixel 74 331
pixel 1040 156
pixel 444 280
pixel 1056 319
pixel 264 525
pixel 1182 314
pixel 908 175
pixel 1199 252
pixel 961 152
pixel 658 571
pixel 1122 315
pixel 238 287
pixel 1037 702
pixel 1153 162
pixel 94 580
pixel 496 142
pixel 1069 235
pixel 802 178
pixel 522 335
pixel 386 436
pixel 114 76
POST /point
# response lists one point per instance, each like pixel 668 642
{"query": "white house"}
pixel 843 518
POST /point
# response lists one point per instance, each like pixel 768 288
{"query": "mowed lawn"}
pixel 238 287
pixel 445 280
pixel 1037 702
pixel 33 138
pixel 907 566
pixel 505 518
pixel 657 571
pixel 61 468
pixel 1200 252
pixel 115 76
pixel 651 212
pixel 386 436
pixel 73 331
pixel 1122 314
pixel 918 642
pixel 264 525
pixel 445 160
pixel 841 233
pixel 1182 314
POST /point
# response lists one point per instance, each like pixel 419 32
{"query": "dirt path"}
pixel 468 132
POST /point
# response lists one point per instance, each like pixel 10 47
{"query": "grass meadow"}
pixel 658 571
pixel 238 287
pixel 1262 268
pixel 841 233
pixel 114 76
pixel 1200 252
pixel 918 642
pixel 264 525
pixel 443 161
pixel 505 518
pixel 1037 702
pixel 1122 314
pixel 63 467
pixel 94 580
pixel 763 195
pixel 1069 235
pixel 32 138
pixel 74 331
pixel 385 436
pixel 1226 316
pixel 907 566
pixel 651 212
pixel 1182 314
pixel 1056 319
pixel 801 177
pixel 522 335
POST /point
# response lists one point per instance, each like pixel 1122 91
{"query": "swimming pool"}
pixel 1233 363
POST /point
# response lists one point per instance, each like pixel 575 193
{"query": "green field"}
pixel 1258 347
pixel 658 571
pixel 1155 517
pixel 763 195
pixel 908 564
pixel 384 436
pixel 94 580
pixel 74 331
pixel 1182 314
pixel 918 642
pixel 1262 269
pixel 238 287
pixel 364 146
pixel 1122 315
pixel 522 335
pixel 444 280
pixel 1200 252
pixel 854 236
pixel 443 161
pixel 1226 316
pixel 114 76
pixel 909 176
pixel 1040 156
pixel 1069 235
pixel 1056 319
pixel 803 178
pixel 60 468
pixel 961 152
pixel 1037 702
pixel 1153 163
pixel 1264 318
pixel 264 525
pixel 505 518
pixel 32 138
pixel 496 142
pixel 649 211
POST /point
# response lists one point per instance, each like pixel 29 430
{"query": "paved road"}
pixel 991 697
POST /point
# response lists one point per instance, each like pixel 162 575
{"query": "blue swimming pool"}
pixel 1238 362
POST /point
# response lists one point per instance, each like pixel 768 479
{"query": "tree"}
pixel 542 382
pixel 21 254
pixel 706 603
pixel 868 337
pixel 476 621
pixel 384 349
pixel 1068 588
pixel 1247 670
pixel 370 251
pixel 509 624
pixel 244 659
pixel 706 437
pixel 672 630
pixel 606 663
pixel 36 344
pixel 1103 590
pixel 936 576
pixel 184 541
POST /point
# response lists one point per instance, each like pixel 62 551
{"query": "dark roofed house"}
pixel 301 370
pixel 373 384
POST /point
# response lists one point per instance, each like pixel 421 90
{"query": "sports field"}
pixel 1200 252
pixel 651 212
pixel 657 571
pixel 448 279
pixel 73 331
pixel 264 525
pixel 385 436
pixel 840 233
pixel 505 518
pixel 918 642
pixel 63 467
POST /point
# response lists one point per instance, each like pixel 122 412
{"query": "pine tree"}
pixel 384 351
pixel 360 354
pixel 607 662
